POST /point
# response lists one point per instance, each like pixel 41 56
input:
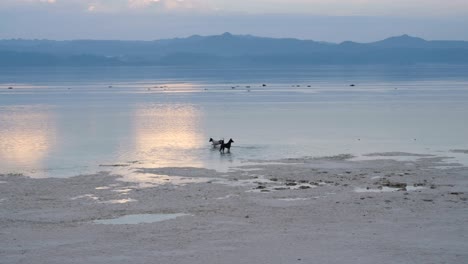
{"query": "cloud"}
pixel 166 4
pixel 115 6
pixel 347 7
pixel 404 8
pixel 13 3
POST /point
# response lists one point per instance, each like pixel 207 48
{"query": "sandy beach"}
pixel 310 210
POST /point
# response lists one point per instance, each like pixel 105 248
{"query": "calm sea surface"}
pixel 67 121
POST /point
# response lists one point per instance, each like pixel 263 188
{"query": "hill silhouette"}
pixel 228 49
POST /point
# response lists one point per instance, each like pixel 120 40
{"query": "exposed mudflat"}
pixel 310 210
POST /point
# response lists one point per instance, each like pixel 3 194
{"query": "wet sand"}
pixel 309 210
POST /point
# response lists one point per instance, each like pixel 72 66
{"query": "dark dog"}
pixel 226 145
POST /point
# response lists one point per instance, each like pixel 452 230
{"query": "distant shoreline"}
pixel 230 50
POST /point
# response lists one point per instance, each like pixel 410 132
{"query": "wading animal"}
pixel 215 142
pixel 226 146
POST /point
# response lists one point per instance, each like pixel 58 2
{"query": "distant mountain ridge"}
pixel 228 49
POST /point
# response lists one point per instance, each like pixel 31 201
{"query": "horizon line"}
pixel 228 34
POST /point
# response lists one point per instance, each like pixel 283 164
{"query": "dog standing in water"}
pixel 215 142
pixel 226 146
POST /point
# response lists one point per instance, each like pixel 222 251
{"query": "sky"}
pixel 321 20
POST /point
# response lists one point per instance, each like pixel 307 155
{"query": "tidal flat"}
pixel 305 210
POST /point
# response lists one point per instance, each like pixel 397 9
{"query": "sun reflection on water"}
pixel 26 136
pixel 166 134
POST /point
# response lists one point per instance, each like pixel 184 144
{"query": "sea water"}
pixel 60 122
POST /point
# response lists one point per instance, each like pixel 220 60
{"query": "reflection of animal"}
pixel 215 142
pixel 226 145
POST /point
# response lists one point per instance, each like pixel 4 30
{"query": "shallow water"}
pixel 138 219
pixel 69 121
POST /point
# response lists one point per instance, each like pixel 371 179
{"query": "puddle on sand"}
pixel 120 201
pixel 85 196
pixel 102 188
pixel 293 199
pixel 122 191
pixel 138 219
